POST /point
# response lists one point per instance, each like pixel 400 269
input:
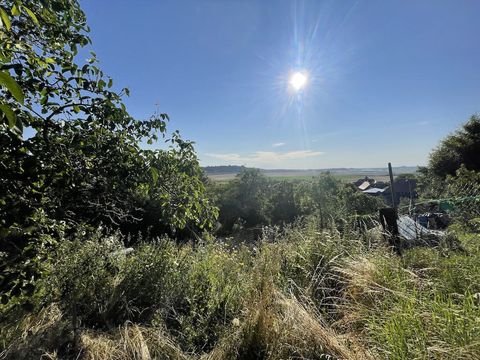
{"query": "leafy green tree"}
pixel 358 203
pixel 283 206
pixel 461 147
pixel 457 149
pixel 463 190
pixel 84 164
pixel 326 194
pixel 246 199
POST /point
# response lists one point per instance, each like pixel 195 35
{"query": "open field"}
pixel 346 175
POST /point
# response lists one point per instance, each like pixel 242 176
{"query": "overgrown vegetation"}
pixel 109 251
pixel 311 293
pixel 253 200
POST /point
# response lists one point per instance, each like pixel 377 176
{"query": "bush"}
pixel 193 294
pixel 82 276
pixel 214 288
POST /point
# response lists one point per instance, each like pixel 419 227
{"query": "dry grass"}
pixel 47 335
pixel 280 327
pixel 39 335
pixel 129 342
pixel 274 327
pixel 423 305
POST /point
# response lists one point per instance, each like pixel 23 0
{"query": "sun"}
pixel 298 80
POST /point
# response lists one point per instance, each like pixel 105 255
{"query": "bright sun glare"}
pixel 298 80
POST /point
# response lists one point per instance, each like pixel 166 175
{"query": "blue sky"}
pixel 386 79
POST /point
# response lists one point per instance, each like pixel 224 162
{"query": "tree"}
pixel 461 147
pixel 326 196
pixel 463 192
pixel 246 198
pixel 357 203
pixel 84 165
pixel 283 206
pixel 85 155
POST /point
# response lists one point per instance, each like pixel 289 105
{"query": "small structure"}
pixel 365 183
pixel 404 188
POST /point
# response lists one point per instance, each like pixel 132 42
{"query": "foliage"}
pixel 85 152
pixel 245 198
pixel 257 200
pixel 464 191
pixel 455 151
pixel 192 294
pixel 83 164
pixel 429 185
pixel 37 53
pixel 421 306
pixel 359 203
pixel 283 299
pixel 81 188
pixel 283 207
pixel 461 147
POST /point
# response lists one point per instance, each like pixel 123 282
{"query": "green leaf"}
pixel 10 115
pixel 19 126
pixel 32 15
pixel 15 10
pixel 154 173
pixel 12 86
pixel 5 19
pixel 101 84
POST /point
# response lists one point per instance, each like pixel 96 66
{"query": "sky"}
pixel 386 80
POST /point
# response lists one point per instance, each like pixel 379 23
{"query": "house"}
pixel 404 188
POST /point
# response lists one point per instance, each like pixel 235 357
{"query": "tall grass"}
pixel 422 306
pixel 300 293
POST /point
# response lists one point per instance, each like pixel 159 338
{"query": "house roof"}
pixel 364 186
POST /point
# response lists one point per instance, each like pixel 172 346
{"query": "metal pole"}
pixel 392 188
pixel 410 205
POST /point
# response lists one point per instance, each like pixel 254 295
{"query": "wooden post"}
pixel 392 188
pixel 388 219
